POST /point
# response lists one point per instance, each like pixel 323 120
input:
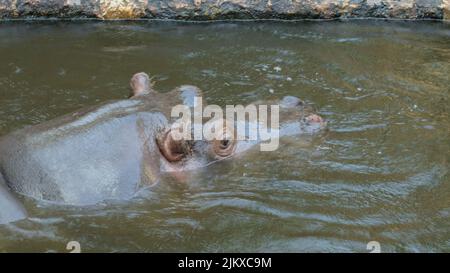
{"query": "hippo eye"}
pixel 224 148
pixel 224 144
pixel 224 141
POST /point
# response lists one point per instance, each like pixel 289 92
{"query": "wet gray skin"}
pixel 11 209
pixel 112 150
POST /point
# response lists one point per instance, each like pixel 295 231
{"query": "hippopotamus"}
pixel 112 150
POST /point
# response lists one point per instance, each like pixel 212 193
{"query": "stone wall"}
pixel 225 9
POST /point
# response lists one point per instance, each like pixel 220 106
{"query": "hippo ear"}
pixel 291 102
pixel 173 150
pixel 140 84
pixel 188 94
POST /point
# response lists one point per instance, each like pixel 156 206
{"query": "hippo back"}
pixel 85 157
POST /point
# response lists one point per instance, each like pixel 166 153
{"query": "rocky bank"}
pixel 225 9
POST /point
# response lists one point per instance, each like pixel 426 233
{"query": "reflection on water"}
pixel 381 173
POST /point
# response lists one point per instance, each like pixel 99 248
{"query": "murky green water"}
pixel 381 173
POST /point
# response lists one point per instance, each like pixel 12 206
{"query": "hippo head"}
pixel 178 154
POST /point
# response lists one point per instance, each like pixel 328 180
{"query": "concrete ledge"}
pixel 446 9
pixel 225 9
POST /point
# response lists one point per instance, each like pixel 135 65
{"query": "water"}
pixel 381 173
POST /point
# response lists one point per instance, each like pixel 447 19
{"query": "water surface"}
pixel 381 173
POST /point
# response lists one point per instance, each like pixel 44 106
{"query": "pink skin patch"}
pixel 313 118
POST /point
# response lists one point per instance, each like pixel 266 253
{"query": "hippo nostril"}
pixel 313 118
